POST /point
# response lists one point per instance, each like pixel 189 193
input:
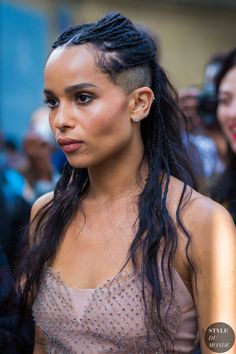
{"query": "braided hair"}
pixel 122 52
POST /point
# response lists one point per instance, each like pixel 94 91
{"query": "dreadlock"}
pixel 120 49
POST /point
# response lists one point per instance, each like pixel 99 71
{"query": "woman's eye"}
pixel 223 101
pixel 83 98
pixel 51 102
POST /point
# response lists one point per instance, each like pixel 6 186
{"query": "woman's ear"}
pixel 140 103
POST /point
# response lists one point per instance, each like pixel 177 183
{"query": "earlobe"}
pixel 135 119
pixel 141 103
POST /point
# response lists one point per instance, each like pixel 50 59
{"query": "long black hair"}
pixel 224 191
pixel 122 48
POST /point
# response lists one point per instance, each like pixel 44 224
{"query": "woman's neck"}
pixel 118 176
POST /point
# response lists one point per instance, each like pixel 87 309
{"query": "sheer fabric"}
pixel 111 318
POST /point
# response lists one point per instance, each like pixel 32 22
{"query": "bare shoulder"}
pixel 214 235
pixel 37 206
pixel 197 209
pixel 40 203
pixel 209 224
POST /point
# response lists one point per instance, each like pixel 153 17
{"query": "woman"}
pixel 125 255
pixel 225 190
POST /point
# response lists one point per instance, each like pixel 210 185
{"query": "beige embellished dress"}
pixel 111 318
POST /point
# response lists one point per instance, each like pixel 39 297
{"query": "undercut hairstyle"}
pixel 134 78
pixel 128 57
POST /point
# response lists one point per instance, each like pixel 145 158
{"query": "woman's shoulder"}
pixel 196 207
pixel 207 222
pixel 40 203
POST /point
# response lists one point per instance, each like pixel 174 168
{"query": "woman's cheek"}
pixel 102 124
pixel 221 116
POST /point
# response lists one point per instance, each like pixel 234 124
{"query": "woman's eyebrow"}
pixel 224 92
pixel 48 92
pixel 82 86
pixel 71 89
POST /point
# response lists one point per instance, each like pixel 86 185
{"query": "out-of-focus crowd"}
pixel 211 129
pixel 25 174
pixel 33 170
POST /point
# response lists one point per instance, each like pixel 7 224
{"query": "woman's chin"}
pixel 78 164
pixel 233 146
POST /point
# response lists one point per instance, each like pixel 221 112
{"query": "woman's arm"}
pixel 213 252
pixel 39 343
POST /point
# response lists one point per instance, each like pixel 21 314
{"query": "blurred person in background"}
pixel 207 104
pixel 16 336
pixel 121 253
pixel 15 210
pixel 225 188
pixel 204 132
pixel 14 215
pixel 22 179
pixel 39 171
pixel 14 158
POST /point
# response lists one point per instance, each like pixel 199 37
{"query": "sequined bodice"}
pixel 111 318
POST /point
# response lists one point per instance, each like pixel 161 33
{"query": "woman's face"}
pixel 226 111
pixel 90 116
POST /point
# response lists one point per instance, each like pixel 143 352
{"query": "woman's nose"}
pixel 232 109
pixel 64 117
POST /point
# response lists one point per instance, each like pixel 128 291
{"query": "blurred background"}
pixel 193 38
pixel 189 33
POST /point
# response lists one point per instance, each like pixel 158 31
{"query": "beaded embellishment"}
pixel 113 320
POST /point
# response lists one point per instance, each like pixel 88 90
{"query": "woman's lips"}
pixel 68 144
pixel 232 130
pixel 234 136
pixel 71 147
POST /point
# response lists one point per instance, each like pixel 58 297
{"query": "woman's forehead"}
pixel 72 56
pixel 72 65
pixel 229 80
